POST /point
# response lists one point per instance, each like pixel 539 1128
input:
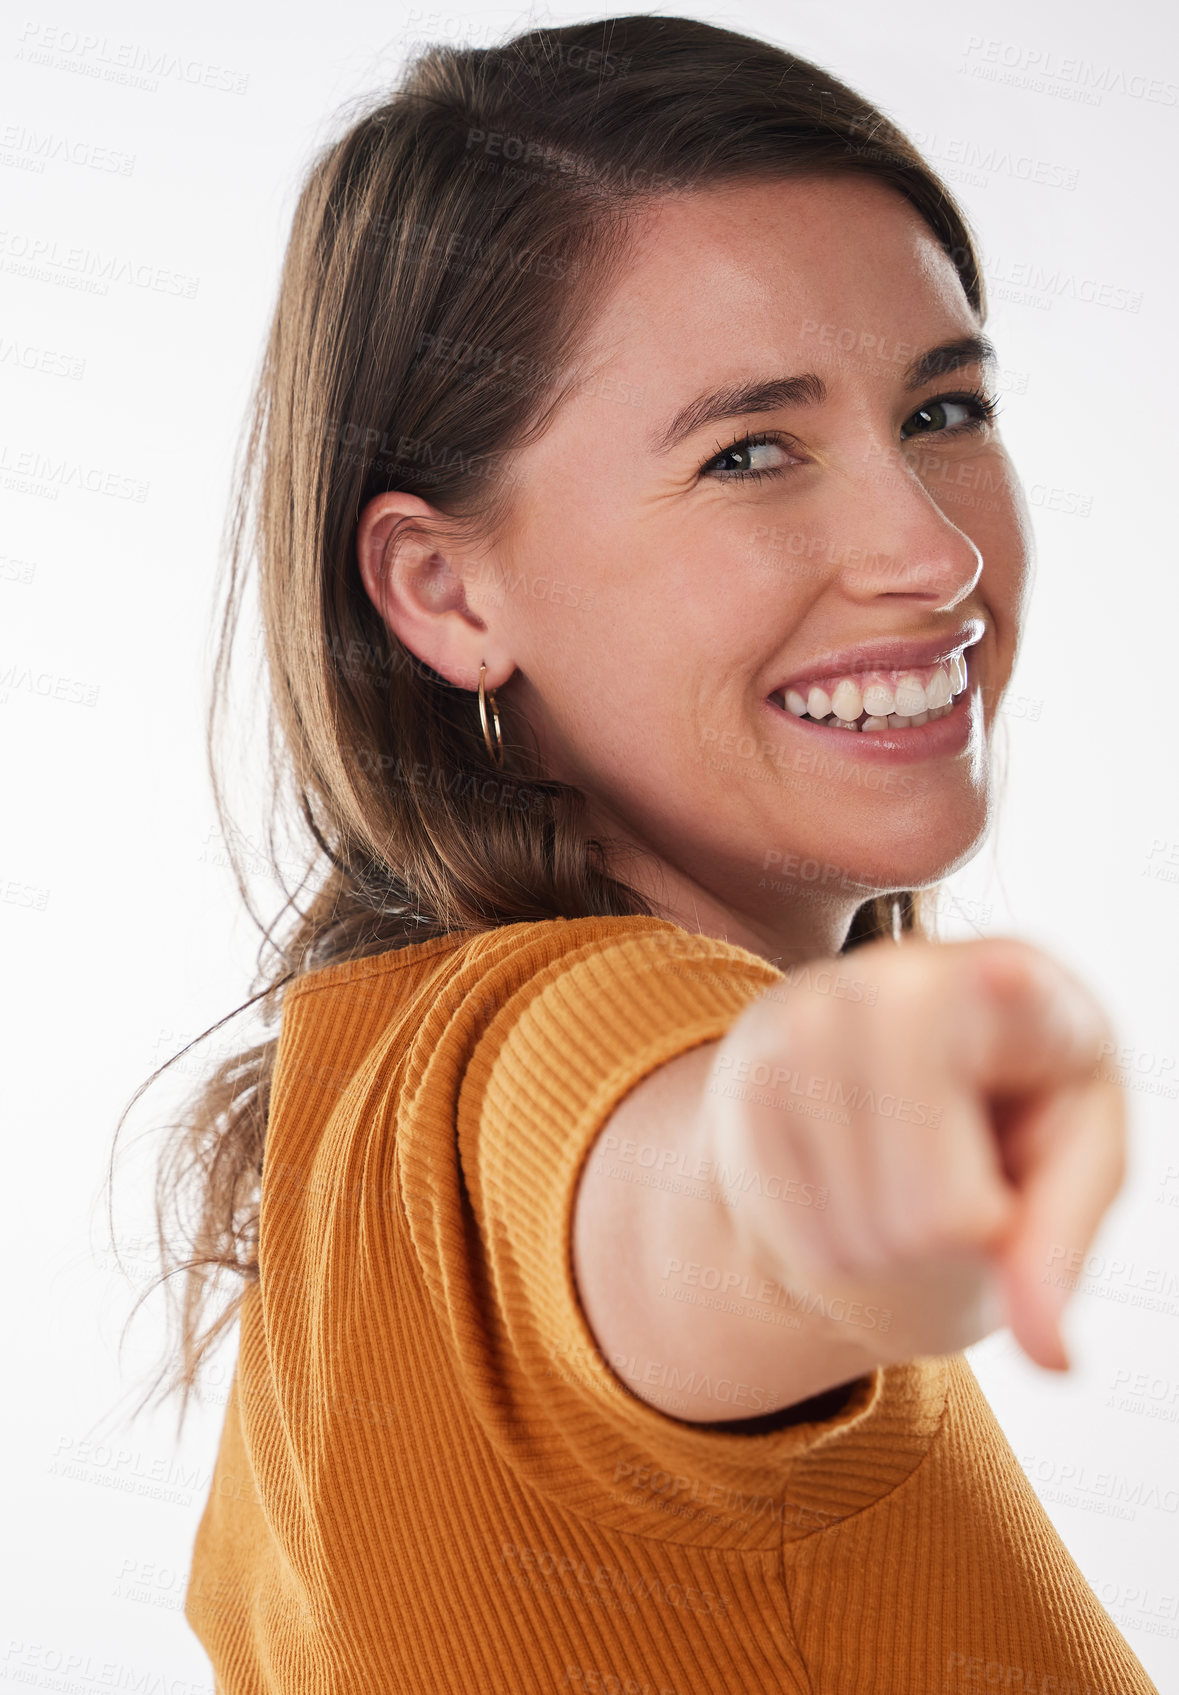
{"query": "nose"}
pixel 898 539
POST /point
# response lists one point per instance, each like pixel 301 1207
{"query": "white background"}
pixel 120 927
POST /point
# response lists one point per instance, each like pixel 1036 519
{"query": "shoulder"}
pixel 530 992
pixel 539 942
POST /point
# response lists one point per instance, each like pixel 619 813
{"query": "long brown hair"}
pixel 445 254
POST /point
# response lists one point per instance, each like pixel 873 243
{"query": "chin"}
pixel 902 846
pixel 908 866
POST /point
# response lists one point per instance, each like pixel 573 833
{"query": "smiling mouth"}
pixel 878 699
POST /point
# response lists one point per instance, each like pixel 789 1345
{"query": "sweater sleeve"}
pixel 566 1043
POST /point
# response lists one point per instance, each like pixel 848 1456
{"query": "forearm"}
pixel 681 1275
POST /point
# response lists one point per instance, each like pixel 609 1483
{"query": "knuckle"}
pixel 964 1222
pixel 906 1234
pixel 870 1255
pixel 1008 967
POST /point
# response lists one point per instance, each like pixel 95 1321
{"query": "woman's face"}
pixel 666 580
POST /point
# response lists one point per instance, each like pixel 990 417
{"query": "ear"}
pixel 419 587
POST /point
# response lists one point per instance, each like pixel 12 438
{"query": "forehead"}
pixel 742 271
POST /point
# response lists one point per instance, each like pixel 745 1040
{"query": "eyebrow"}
pixel 732 400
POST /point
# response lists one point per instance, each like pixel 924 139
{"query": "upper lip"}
pixel 892 655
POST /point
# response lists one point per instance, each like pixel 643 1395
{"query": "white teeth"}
pixel 910 695
pixel 879 700
pixel 881 705
pixel 846 700
pixel 937 691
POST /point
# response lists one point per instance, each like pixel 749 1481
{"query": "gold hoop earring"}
pixel 495 753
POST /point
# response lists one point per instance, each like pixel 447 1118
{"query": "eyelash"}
pixel 987 410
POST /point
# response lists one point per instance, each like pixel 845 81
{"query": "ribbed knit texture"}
pixel 430 1482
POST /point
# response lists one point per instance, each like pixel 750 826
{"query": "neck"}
pixel 807 927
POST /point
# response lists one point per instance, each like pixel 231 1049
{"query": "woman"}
pixel 641 573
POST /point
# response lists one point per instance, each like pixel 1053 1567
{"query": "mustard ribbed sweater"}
pixel 431 1483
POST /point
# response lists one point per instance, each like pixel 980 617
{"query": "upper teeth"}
pixel 882 695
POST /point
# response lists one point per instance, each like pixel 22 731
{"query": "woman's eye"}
pixel 746 458
pixel 951 412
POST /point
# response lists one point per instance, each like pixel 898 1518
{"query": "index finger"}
pixel 1072 1162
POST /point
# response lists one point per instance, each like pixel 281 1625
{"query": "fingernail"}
pixel 1062 1362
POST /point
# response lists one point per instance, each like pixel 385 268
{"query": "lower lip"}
pixel 945 736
